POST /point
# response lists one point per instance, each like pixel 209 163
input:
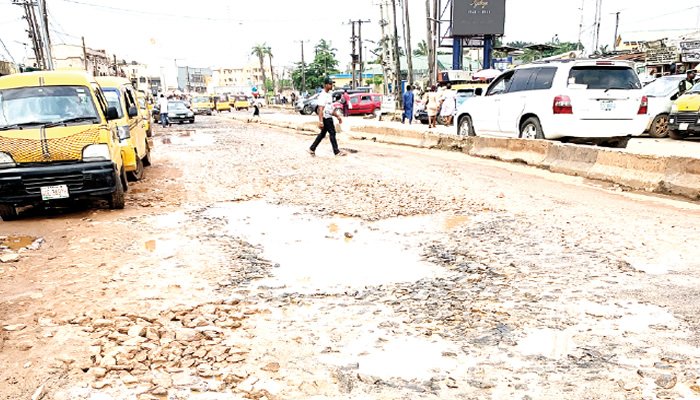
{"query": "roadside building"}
pixel 72 57
pixel 7 68
pixel 193 79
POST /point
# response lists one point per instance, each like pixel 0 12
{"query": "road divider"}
pixel 658 174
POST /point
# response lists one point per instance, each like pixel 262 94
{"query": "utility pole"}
pixel 385 49
pixel 359 39
pixel 353 56
pixel 397 89
pixel 85 57
pixel 303 66
pixel 436 39
pixel 429 42
pixel 45 34
pixel 579 45
pixel 617 25
pixel 33 31
pixel 407 35
pixel 596 34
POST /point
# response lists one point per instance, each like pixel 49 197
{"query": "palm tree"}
pixel 268 51
pixel 422 49
pixel 260 50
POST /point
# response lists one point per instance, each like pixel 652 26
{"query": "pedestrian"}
pixel 216 102
pixel 687 83
pixel 163 108
pixel 432 102
pixel 448 104
pixel 326 111
pixel 256 108
pixel 345 101
pixel 408 105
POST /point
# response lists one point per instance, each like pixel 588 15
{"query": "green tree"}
pixel 268 52
pixel 324 64
pixel 422 49
pixel 260 51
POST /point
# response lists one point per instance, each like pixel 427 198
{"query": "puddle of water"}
pixel 325 253
pixel 162 248
pixel 189 140
pixel 550 343
pixel 15 243
pixel 168 221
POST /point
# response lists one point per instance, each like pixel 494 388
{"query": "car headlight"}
pixel 123 132
pixel 96 152
pixel 6 161
pixel 674 108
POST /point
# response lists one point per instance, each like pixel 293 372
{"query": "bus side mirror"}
pixel 478 92
pixel 112 113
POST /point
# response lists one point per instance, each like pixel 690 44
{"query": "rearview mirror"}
pixel 133 112
pixel 112 113
pixel 478 92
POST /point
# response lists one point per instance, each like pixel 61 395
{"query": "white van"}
pixel 591 99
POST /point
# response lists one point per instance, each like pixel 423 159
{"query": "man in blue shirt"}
pixel 407 105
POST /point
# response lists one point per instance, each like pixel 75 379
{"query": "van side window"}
pixel 521 79
pixel 129 99
pixel 366 98
pixel 544 78
pixel 101 101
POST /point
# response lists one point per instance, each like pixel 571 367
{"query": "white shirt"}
pixel 325 100
pixel 163 103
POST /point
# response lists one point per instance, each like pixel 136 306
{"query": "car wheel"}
pixel 117 199
pixel 136 175
pixel 8 212
pixel 440 120
pixel 147 158
pixel 192 121
pixel 307 110
pixel 466 127
pixel 677 135
pixel 659 126
pixel 531 129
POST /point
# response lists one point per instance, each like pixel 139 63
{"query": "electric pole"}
pixel 353 57
pixel 303 66
pixel 34 32
pixel 579 45
pixel 45 34
pixel 407 35
pixel 436 39
pixel 596 34
pixel 385 49
pixel 85 57
pixel 397 89
pixel 359 39
pixel 617 25
pixel 429 42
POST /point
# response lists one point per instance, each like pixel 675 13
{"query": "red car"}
pixel 362 104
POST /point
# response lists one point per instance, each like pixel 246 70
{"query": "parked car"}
pixel 596 101
pixel 362 104
pixel 661 94
pixel 130 126
pixel 178 112
pixel 306 106
pixel 684 119
pixel 55 142
pixel 240 103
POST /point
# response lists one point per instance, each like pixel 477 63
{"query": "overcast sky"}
pixel 222 32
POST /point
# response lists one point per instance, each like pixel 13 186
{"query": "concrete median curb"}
pixel 660 174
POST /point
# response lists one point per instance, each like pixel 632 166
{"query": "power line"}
pixel 7 51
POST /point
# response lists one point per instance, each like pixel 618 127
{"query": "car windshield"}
pixel 662 87
pixel 177 106
pixel 694 89
pixel 200 100
pixel 114 100
pixel 604 77
pixel 46 104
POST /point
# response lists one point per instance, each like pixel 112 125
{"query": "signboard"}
pixel 690 51
pixel 478 17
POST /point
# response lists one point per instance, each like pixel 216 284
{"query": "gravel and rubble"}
pixel 254 271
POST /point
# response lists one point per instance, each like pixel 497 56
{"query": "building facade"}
pixel 193 79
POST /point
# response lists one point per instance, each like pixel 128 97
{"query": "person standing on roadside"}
pixel 432 103
pixel 163 107
pixel 325 110
pixel 408 105
pixel 687 83
pixel 346 103
pixel 448 104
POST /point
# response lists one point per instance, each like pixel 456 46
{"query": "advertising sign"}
pixel 690 51
pixel 478 17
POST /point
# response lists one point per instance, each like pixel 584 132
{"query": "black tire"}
pixel 149 132
pixel 307 110
pixel 192 121
pixel 677 135
pixel 659 126
pixel 147 158
pixel 8 212
pixel 466 126
pixel 531 129
pixel 138 174
pixel 117 199
pixel 440 120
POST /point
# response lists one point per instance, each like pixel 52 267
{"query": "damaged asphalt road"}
pixel 243 268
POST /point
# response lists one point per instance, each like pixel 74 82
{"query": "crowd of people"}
pixel 435 101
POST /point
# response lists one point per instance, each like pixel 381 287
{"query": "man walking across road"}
pixel 687 83
pixel 325 110
pixel 408 105
pixel 163 107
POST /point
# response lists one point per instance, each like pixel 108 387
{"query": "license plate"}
pixel 683 127
pixel 54 192
pixel 607 105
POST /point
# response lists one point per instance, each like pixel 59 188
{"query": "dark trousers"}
pixel 346 110
pixel 328 127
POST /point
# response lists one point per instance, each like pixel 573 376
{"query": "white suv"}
pixel 591 99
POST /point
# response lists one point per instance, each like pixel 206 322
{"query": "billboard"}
pixel 478 17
